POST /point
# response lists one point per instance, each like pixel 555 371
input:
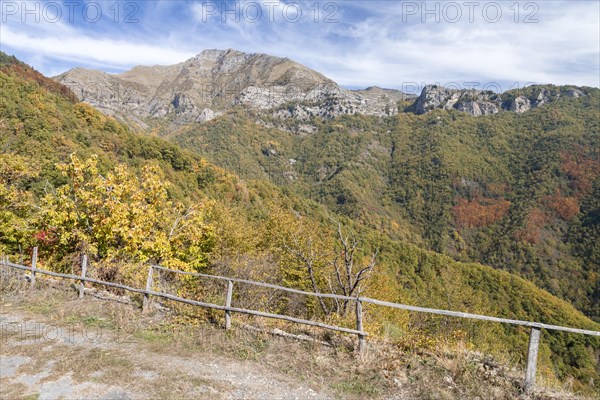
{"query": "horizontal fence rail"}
pixel 186 301
pixel 261 284
pixel 534 337
pixel 459 314
pixel 389 304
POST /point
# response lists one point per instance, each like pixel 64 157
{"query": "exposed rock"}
pixel 206 115
pixel 202 87
pixel 477 107
pixel 542 98
pixel 487 102
pixel 574 93
pixel 433 97
pixel 520 104
pixel 214 81
pixel 470 101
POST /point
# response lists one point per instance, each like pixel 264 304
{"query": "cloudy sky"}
pixel 396 44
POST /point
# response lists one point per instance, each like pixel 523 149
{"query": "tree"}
pixel 351 271
pixel 336 263
pixel 16 204
pixel 305 250
pixel 125 217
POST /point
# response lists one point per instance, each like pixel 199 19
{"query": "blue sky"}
pixel 395 44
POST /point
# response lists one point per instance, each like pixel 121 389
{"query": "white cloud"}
pixel 373 43
pixel 114 53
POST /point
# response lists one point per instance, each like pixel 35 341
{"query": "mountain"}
pixel 504 179
pixel 65 167
pixel 515 191
pixel 478 103
pixel 202 87
pixel 214 81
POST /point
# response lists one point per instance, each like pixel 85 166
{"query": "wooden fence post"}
pixel 534 342
pixel 228 304
pixel 359 326
pixel 148 288
pixel 33 266
pixel 8 271
pixel 83 272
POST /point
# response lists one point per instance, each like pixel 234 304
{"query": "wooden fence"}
pixel 534 336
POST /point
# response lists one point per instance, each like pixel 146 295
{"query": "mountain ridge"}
pixel 215 81
pixel 253 216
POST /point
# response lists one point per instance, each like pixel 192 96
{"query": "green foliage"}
pixel 125 217
pixel 127 198
pixel 503 190
pixel 5 59
pixel 16 204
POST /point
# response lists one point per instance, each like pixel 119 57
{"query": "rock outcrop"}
pixel 214 81
pixel 487 102
pixel 202 87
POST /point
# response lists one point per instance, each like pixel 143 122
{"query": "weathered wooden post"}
pixel 33 266
pixel 228 304
pixel 534 342
pixel 148 288
pixel 2 273
pixel 83 272
pixel 359 326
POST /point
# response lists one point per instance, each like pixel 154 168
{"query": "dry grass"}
pixel 385 371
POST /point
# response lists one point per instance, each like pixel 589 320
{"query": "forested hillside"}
pixel 515 191
pixel 73 180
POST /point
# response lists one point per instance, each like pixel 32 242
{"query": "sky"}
pixel 495 45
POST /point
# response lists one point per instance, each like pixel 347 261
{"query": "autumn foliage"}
pixel 532 232
pixel 479 212
pixel 581 171
pixel 566 208
pixel 28 73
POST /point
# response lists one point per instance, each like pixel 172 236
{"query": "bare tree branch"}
pixel 309 263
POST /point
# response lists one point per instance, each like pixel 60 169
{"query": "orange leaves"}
pixel 565 208
pixel 478 212
pixel 582 171
pixel 532 232
pixel 29 74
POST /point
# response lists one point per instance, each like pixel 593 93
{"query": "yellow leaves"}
pixel 15 203
pixel 90 115
pixel 14 167
pixel 126 216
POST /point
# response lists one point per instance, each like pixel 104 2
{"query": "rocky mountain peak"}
pixel 479 103
pixel 216 80
pixel 471 101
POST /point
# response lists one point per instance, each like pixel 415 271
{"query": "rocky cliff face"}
pixel 202 87
pixel 214 81
pixel 487 102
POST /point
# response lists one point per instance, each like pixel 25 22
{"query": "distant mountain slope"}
pixel 511 190
pixel 10 64
pixel 42 127
pixel 506 189
pixel 478 103
pixel 215 80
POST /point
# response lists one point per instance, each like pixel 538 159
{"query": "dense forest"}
pixel 518 192
pixel 434 197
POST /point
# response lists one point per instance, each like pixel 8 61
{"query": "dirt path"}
pixel 41 361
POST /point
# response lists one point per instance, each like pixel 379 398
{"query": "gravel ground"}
pixel 41 361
